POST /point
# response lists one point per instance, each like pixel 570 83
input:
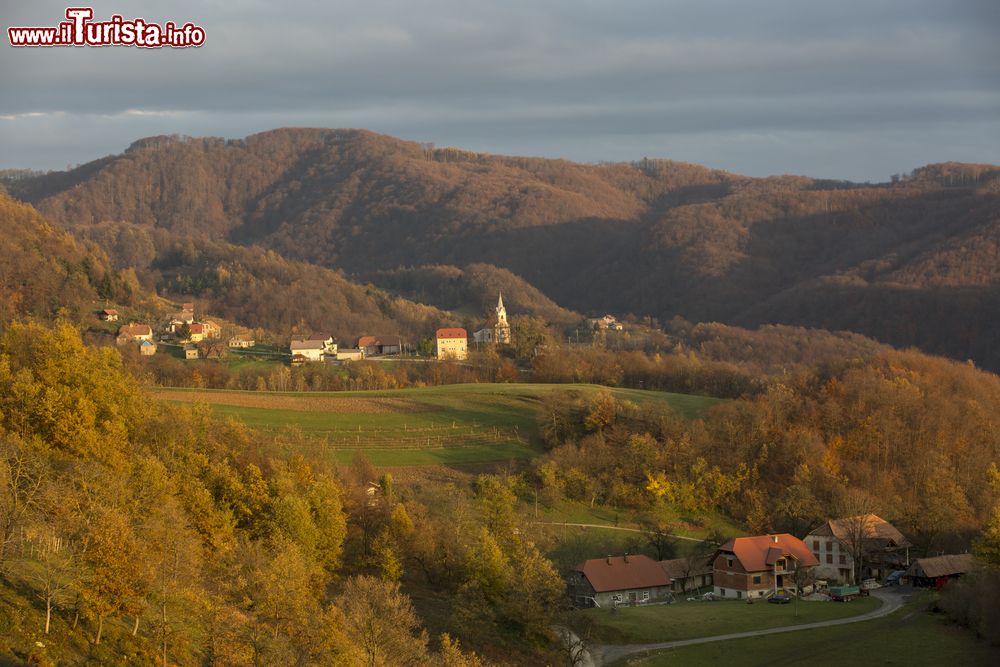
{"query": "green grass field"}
pixel 687 620
pixel 910 636
pixel 452 424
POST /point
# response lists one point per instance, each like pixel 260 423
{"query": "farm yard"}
pixel 452 424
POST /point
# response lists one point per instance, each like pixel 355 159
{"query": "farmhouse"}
pixel 374 345
pixel 134 332
pixel 310 350
pixel 190 351
pixel 108 315
pixel 452 343
pixel 616 580
pixel 687 574
pixel 242 341
pixel 752 567
pixel 197 332
pixel 211 329
pixel 880 548
pixel 147 348
pixel 939 570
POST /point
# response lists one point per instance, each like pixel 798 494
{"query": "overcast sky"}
pixel 848 89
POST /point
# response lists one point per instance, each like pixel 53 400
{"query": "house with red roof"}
pixel 452 343
pixel 754 567
pixel 618 580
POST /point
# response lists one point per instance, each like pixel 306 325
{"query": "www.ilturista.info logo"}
pixel 79 30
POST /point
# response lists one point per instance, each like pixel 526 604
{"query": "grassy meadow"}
pixel 687 620
pixel 910 636
pixel 452 424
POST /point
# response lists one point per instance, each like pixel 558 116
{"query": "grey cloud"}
pixel 585 79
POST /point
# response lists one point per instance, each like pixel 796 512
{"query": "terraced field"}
pixel 454 424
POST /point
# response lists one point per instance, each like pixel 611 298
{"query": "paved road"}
pixel 598 525
pixel 606 654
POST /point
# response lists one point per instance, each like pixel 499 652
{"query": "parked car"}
pixel 895 578
pixel 780 599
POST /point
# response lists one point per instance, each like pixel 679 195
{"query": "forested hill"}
pixel 45 273
pixel 914 262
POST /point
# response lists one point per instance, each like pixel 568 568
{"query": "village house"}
pixel 211 329
pixel 350 354
pixel 108 315
pixel 607 322
pixel 753 567
pixel 243 341
pixel 196 332
pixel 185 316
pixel 134 332
pixel 452 343
pixel 190 351
pixel 309 350
pixel 687 574
pixel 939 570
pixel 497 329
pixel 147 348
pixel 882 548
pixel 375 345
pixel 618 580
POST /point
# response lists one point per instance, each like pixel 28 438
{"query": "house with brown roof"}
pixel 688 574
pixel 452 343
pixel 753 567
pixel 939 570
pixel 618 580
pixel 374 345
pixel 108 315
pixel 134 332
pixel 867 541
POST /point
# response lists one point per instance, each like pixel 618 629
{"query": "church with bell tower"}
pixel 497 329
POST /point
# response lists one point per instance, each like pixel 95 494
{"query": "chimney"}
pixel 774 538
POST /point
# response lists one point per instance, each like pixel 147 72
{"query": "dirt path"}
pixel 607 653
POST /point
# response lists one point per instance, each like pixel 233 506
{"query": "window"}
pixel 722 592
pixel 645 595
pixel 815 545
pixel 829 558
pixel 729 561
pixel 756 579
pixel 843 559
pixel 618 597
pixel 739 595
pixel 780 564
pixel 829 546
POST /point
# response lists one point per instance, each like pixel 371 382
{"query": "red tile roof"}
pixel 760 552
pixel 452 333
pixel 619 573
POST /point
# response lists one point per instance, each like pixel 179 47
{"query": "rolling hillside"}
pixel 652 237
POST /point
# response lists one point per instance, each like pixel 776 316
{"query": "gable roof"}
pixel 146 343
pixel 307 345
pixel 453 332
pixel 109 311
pixel 876 530
pixel 941 566
pixel 619 573
pixel 761 552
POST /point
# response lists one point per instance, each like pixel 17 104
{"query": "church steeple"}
pixel 501 327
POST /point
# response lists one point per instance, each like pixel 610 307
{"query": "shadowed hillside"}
pixel 652 237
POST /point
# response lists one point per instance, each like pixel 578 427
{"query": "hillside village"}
pixel 202 338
